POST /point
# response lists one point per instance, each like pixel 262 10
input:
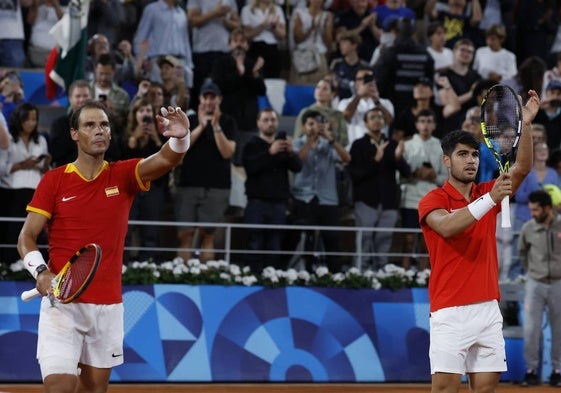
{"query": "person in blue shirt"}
pixel 314 188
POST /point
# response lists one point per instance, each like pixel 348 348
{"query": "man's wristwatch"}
pixel 40 269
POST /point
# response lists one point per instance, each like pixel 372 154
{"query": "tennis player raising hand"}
pixel 459 224
pixel 88 201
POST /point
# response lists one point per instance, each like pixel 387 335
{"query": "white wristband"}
pixel 180 145
pixel 32 261
pixel 481 206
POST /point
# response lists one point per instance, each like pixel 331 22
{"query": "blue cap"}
pixel 209 87
pixel 554 84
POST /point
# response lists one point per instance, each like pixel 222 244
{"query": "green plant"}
pixel 194 272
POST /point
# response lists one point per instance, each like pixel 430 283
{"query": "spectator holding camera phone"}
pixel 550 114
pixel 143 140
pixel 365 97
pixel 324 94
pixel 11 92
pixel 375 160
pixel 314 188
pixel 267 158
pixel 202 194
pixel 22 164
pixel 105 90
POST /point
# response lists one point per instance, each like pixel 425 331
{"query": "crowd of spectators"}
pixel 391 78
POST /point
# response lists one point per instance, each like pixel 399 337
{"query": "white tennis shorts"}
pixel 467 339
pixel 73 333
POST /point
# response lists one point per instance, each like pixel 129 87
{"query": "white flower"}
pixel 156 274
pixel 169 265
pixel 235 270
pixel 17 266
pixel 249 280
pixel 338 277
pixel 195 270
pixel 225 276
pixel 291 275
pixel 304 275
pixel 213 264
pixel 268 272
pixel 322 271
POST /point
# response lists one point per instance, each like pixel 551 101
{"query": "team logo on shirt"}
pixel 112 191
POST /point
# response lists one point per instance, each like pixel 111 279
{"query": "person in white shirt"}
pixel 443 56
pixel 423 153
pixel 42 16
pixel 22 164
pixel 493 61
pixel 265 26
pixel 365 97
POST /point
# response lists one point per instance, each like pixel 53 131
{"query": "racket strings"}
pixel 77 274
pixel 501 116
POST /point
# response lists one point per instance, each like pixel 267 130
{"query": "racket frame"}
pixel 503 167
pixel 59 279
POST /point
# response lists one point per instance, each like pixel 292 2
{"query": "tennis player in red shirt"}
pixel 88 201
pixel 458 221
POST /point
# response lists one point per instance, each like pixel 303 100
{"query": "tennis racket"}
pixel 501 124
pixel 74 277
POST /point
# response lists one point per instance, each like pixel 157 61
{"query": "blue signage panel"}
pixel 183 333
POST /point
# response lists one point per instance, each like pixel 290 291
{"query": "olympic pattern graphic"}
pixel 182 333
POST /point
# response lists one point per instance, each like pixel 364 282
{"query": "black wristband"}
pixel 331 141
pixel 40 269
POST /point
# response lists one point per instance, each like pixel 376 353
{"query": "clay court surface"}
pixel 276 388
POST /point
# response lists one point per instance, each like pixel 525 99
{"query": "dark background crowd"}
pixel 389 78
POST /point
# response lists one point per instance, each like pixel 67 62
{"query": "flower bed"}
pixel 194 272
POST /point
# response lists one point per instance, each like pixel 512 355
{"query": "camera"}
pixel 147 119
pixel 281 135
pixel 368 78
pixel 102 97
pixel 427 164
pixel 321 119
pixel 238 52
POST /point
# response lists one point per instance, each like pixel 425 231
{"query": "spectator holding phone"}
pixel 143 140
pixel 314 188
pixel 267 158
pixel 324 94
pixel 202 195
pixel 366 96
pixel 11 93
pixel 23 164
pixel 104 89
pixel 375 159
pixel 550 114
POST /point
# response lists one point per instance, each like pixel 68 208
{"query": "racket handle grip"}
pixel 505 212
pixel 31 294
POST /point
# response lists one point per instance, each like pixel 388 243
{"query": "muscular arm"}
pixel 27 242
pixel 449 224
pixel 161 162
pixel 525 154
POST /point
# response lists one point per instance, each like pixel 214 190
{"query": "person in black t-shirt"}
pixel 203 179
pixel 267 159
